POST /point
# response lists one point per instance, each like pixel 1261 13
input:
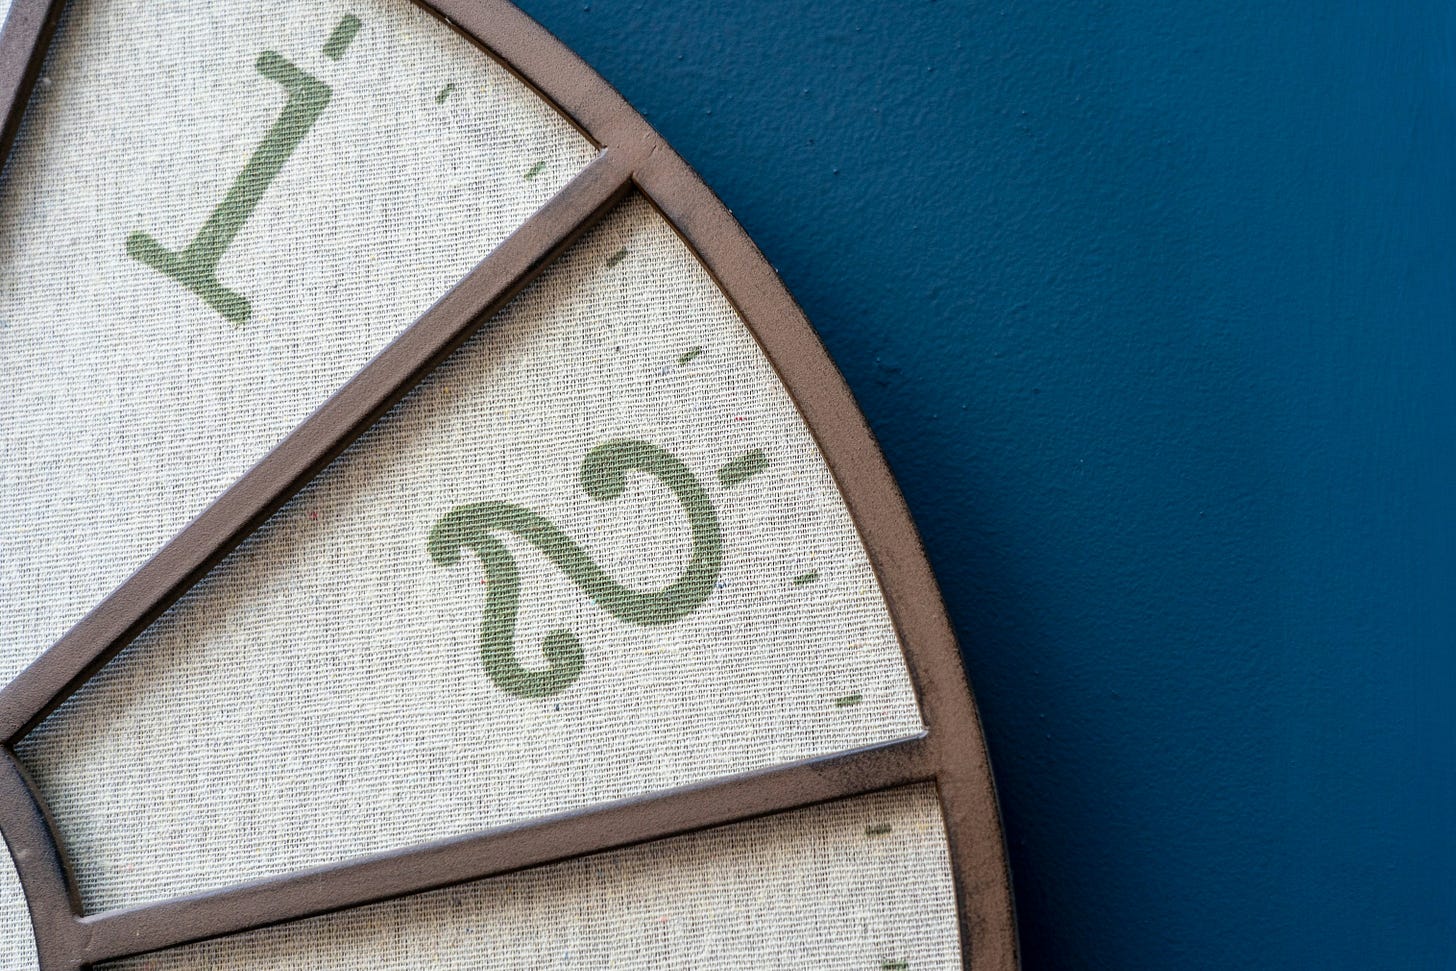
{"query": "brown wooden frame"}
pixel 632 158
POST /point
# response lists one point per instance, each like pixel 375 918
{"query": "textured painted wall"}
pixel 1153 307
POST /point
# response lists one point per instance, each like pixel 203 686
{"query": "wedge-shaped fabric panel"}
pixel 595 555
pixel 863 883
pixel 17 941
pixel 214 215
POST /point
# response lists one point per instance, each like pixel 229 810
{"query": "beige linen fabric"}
pixel 322 694
pixel 17 941
pixel 860 884
pixel 128 403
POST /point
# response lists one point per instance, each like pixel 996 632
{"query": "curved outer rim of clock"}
pixel 632 158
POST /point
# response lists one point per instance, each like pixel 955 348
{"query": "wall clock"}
pixel 433 538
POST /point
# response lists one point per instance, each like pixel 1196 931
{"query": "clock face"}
pixel 433 538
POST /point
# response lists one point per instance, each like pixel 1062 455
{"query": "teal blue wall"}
pixel 1153 307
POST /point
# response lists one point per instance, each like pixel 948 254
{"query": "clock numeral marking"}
pixel 603 476
pixel 195 267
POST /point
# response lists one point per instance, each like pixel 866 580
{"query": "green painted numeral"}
pixel 603 476
pixel 196 266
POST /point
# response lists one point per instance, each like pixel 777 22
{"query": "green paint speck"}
pixel 689 355
pixel 444 93
pixel 803 579
pixel 534 171
pixel 878 829
pixel 617 257
pixel 894 966
pixel 848 701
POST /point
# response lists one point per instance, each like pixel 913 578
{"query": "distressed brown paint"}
pixel 951 754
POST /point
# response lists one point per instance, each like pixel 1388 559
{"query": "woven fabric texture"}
pixel 326 693
pixel 864 883
pixel 393 155
pixel 17 942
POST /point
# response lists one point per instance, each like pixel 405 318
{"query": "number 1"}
pixel 196 266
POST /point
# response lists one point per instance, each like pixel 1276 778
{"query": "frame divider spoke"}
pixel 23 44
pixel 137 930
pixel 342 418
